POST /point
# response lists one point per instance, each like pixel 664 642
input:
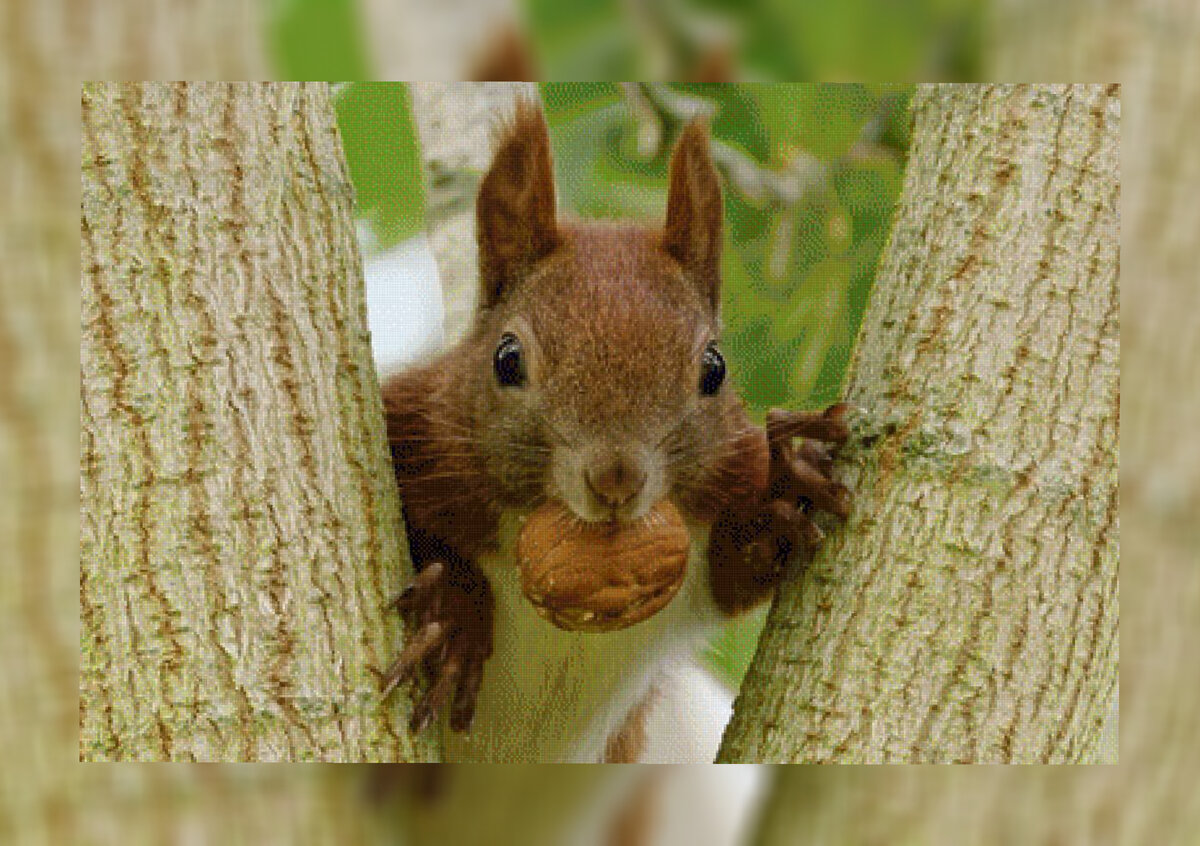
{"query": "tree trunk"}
pixel 946 806
pixel 968 611
pixel 239 527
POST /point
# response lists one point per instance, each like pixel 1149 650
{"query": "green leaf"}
pixel 317 39
pixel 384 158
pixel 866 39
pixel 737 121
pixel 563 102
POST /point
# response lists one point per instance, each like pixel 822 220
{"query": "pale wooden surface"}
pixel 45 796
pixel 1151 797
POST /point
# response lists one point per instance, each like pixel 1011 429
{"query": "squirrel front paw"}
pixel 750 544
pixel 798 480
pixel 450 612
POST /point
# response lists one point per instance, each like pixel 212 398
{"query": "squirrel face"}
pixel 600 377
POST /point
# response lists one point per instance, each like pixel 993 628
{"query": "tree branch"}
pixel 968 611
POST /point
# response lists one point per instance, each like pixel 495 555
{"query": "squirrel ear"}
pixel 692 234
pixel 515 211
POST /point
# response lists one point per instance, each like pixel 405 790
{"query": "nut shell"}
pixel 600 577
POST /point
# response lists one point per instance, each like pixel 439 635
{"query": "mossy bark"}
pixel 239 526
pixel 968 610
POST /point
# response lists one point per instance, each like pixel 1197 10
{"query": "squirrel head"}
pixel 596 372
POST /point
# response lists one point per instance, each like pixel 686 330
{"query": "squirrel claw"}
pixel 800 479
pixel 828 425
pixel 418 589
pixel 463 710
pixel 450 609
pixel 432 702
pixel 404 667
pixel 804 476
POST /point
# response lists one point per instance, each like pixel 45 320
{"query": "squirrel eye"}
pixel 712 370
pixel 510 369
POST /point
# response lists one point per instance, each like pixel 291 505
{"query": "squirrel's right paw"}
pixel 450 609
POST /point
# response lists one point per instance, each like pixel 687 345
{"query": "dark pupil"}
pixel 510 370
pixel 712 371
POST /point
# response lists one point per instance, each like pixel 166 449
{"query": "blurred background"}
pixel 699 40
pixel 1151 47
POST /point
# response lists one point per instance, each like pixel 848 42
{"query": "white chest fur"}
pixel 553 695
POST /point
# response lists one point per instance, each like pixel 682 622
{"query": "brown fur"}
pixel 634 819
pixel 618 313
pixel 450 504
pixel 613 319
pixel 692 233
pixel 515 210
pixel 506 57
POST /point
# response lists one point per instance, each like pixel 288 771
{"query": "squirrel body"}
pixel 592 376
pixel 554 695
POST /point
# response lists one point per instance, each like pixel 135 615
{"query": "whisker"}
pixel 520 477
pixel 430 458
pixel 516 446
pixel 461 442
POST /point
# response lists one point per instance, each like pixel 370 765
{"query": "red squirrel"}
pixel 592 374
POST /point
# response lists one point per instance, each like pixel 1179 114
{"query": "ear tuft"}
pixel 515 211
pixel 692 234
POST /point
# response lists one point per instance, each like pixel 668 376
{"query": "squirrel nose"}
pixel 615 482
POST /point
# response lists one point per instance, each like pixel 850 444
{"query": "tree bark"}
pixel 239 527
pixel 968 611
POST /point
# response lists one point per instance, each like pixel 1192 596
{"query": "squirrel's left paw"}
pixel 451 638
pixel 799 480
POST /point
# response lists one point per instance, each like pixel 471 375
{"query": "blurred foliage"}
pixel 384 157
pixel 856 39
pixel 316 39
pixel 321 39
pixel 757 39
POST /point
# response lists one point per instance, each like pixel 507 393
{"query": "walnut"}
pixel 600 577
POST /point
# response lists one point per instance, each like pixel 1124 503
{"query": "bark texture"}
pixel 1160 462
pixel 968 611
pixel 239 528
